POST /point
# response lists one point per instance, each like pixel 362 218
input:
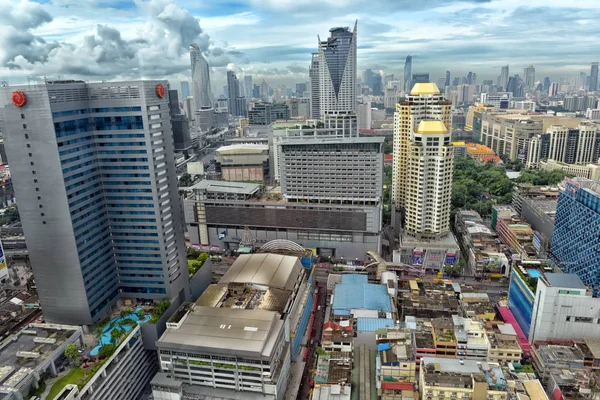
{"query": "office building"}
pixel 529 74
pixel 447 81
pixel 377 88
pixel 546 85
pixel 420 77
pixel 314 86
pixel 201 89
pixel 425 103
pixel 575 241
pixel 553 89
pixel 593 114
pixel 504 78
pixel 500 100
pixel 429 180
pixel 104 194
pixel 299 108
pixel 364 115
pixel 594 77
pixel 185 89
pixel 248 93
pixel 408 75
pixel 180 124
pixel 588 171
pixel 233 95
pixel 241 106
pixel 266 113
pixel 368 77
pixel 301 88
pixel 241 335
pixel 508 134
pixel 337 71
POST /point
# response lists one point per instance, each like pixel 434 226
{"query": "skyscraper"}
pixel 408 74
pixel 93 168
pixel 546 84
pixel 420 77
pixel 248 87
pixel 576 240
pixel 368 77
pixel 185 90
pixel 529 74
pixel 424 103
pixel 337 71
pixel 594 77
pixel 504 78
pixel 447 78
pixel 315 94
pixel 200 78
pixel 233 92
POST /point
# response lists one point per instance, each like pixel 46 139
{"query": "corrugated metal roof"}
pixel 360 295
pixel 372 324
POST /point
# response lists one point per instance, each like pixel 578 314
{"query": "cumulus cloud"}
pixel 158 49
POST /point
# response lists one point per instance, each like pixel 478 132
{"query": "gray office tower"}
pixel 408 74
pixel 93 171
pixel 594 77
pixel 180 124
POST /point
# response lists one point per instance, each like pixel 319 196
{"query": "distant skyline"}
pixel 273 39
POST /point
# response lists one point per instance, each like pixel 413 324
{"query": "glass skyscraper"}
pixel 200 78
pixel 93 171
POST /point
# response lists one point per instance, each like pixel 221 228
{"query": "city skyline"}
pixel 148 39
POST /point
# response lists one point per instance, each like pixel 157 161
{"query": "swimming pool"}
pixel 114 323
pixel 534 273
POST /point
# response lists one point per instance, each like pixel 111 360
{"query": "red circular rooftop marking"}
pixel 18 98
pixel 160 90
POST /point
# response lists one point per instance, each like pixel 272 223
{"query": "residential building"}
pixel 425 103
pixel 243 162
pixel 429 180
pixel 444 337
pixel 219 213
pixel 471 339
pixel 364 115
pixel 460 149
pixel 575 241
pixel 336 337
pixel 96 196
pixel 504 345
pixel 443 378
pixel 332 376
pixel 337 71
pixel 553 89
pixel 408 84
pixel 201 89
pixel 396 362
pixel 593 114
pixel 243 332
pixel 241 106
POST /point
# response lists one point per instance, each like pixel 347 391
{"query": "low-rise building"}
pixel 477 305
pixel 550 357
pixel 337 337
pixel 333 376
pixel 443 378
pixel 460 149
pixel 478 151
pixel 396 362
pixel 590 171
pixel 471 339
pixel 444 337
pixel 504 345
pixel 243 162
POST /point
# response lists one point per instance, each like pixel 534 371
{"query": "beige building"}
pixel 589 171
pixel 509 134
pixel 442 378
pixel 243 162
pixel 424 103
pixel 428 187
pixel 504 345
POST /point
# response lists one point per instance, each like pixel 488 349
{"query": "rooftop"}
pixel 431 127
pixel 270 270
pixel 243 148
pixel 448 372
pixel 327 140
pixel 226 187
pixel 571 281
pixel 424 89
pixel 356 293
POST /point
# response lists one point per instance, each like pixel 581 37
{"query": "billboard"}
pixel 451 258
pixel 418 255
pixel 3 266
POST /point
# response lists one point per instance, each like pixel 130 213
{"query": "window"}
pixel 22 116
pixel 28 145
pixel 26 136
pixel 44 222
pixel 37 189
pixel 24 126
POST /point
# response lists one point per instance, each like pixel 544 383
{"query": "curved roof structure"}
pixel 428 88
pixel 432 127
pixel 273 270
pixel 281 245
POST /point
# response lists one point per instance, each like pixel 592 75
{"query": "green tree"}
pixel 203 257
pixel 141 314
pixel 72 353
pixel 186 180
pixel 116 334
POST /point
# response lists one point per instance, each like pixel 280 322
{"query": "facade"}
pixel 408 84
pixel 425 103
pixel 504 77
pixel 314 85
pixel 500 100
pixel 337 71
pixel 429 180
pixel 243 162
pixel 248 87
pixel 233 93
pixel 460 149
pixel 529 74
pixel 509 134
pixel 266 113
pixel 594 77
pixel 180 124
pixel 575 241
pixel 222 214
pixel 93 169
pixel 201 89
pixel 589 171
pixel 243 332
pixel 396 362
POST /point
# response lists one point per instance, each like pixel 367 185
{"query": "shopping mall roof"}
pixel 226 187
pixel 424 89
pixel 355 293
pixel 271 270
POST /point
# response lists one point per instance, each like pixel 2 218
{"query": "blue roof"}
pixel 360 295
pixel 372 324
pixel 354 278
pixel 383 346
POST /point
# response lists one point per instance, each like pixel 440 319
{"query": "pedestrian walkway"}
pixel 296 372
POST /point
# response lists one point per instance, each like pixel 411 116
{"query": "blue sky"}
pixel 273 39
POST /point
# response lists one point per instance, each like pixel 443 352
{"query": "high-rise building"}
pixel 424 103
pixel 546 84
pixel 516 86
pixel 575 240
pixel 594 77
pixel 185 90
pixel 233 93
pixel 429 180
pixel 420 77
pixel 315 94
pixel 368 78
pixel 179 123
pixel 504 78
pixel 337 71
pixel 248 87
pixel 447 83
pixel 377 85
pixel 200 78
pixel 93 168
pixel 553 89
pixel 408 74
pixel 301 88
pixel 529 74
